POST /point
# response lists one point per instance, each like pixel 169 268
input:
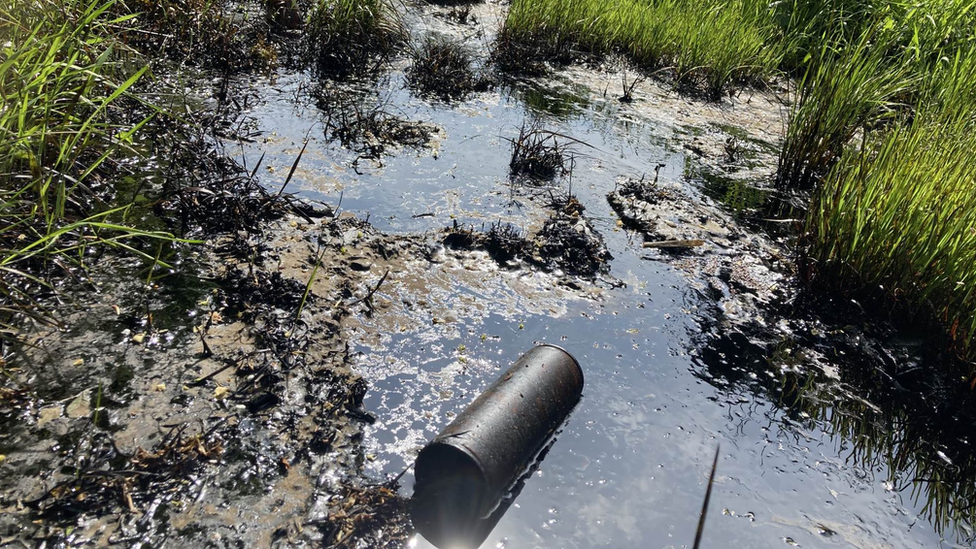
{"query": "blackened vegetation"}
pixel 306 345
pixel 565 243
pixel 353 37
pixel 367 517
pixel 367 129
pixel 444 69
pixel 259 430
pixel 108 481
pixel 460 15
pixel 530 54
pixel 284 15
pixel 570 244
pixel 249 293
pixel 203 33
pixel 206 193
pixel 505 243
pixel 538 154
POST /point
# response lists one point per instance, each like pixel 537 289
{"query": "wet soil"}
pixel 272 390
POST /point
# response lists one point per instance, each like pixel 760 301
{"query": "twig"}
pixel 708 496
pixel 369 296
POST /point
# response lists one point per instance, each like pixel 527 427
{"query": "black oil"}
pixel 834 431
pixel 810 456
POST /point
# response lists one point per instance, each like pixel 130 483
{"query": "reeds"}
pixel 898 222
pixel 538 153
pixel 884 135
pixel 845 90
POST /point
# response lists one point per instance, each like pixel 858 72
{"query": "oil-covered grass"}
pixel 706 44
pixel 444 69
pixel 349 36
pixel 205 33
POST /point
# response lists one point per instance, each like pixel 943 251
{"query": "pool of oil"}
pixel 668 379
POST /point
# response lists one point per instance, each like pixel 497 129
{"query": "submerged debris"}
pixel 367 516
pixel 665 214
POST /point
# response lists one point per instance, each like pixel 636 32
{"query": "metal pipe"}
pixel 464 474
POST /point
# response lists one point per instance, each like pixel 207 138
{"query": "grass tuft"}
pixel 443 69
pixel 538 154
pixel 845 91
pixel 350 36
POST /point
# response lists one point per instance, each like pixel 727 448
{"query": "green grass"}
pixel 897 218
pixel 845 90
pixel 883 134
pixel 63 79
pixel 706 43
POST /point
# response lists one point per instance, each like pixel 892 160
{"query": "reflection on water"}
pixel 893 414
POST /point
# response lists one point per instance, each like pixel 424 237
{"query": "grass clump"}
pixel 63 83
pixel 350 36
pixel 538 154
pixel 896 220
pixel 705 44
pixel 845 91
pixel 443 69
pixel 881 135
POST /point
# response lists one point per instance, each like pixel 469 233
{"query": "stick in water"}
pixel 708 496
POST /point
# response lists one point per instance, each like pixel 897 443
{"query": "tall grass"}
pixel 705 43
pixel 846 90
pixel 898 217
pixel 62 81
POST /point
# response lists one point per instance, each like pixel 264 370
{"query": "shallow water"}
pixel 666 380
